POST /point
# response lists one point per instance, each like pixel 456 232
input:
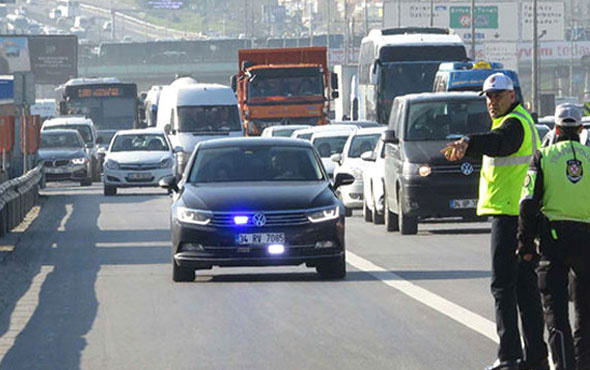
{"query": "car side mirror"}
pixel 336 158
pixel 169 183
pixel 234 83
pixel 343 178
pixel 389 137
pixel 368 156
pixel 334 81
pixel 335 94
pixel 177 149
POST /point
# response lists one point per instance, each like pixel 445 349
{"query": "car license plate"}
pixel 260 238
pixel 138 176
pixel 463 203
pixel 54 170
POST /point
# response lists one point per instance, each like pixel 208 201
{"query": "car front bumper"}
pixel 218 245
pixel 72 172
pixel 136 178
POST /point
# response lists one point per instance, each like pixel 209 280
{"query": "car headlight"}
pixel 166 163
pixel 81 160
pixel 193 216
pixel 112 165
pixel 324 214
pixel 412 169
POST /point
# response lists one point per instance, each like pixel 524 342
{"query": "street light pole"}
pixel 431 13
pixel 473 29
pixel 534 75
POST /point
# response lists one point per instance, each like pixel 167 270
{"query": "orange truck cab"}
pixel 284 86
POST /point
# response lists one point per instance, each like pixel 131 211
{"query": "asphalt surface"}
pixel 89 286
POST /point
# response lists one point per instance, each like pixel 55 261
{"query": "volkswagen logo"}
pixel 259 219
pixel 467 168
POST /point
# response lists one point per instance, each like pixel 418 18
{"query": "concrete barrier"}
pixel 17 197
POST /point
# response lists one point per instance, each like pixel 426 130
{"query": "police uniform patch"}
pixel 574 170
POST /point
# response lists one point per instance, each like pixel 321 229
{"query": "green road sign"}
pixel 485 17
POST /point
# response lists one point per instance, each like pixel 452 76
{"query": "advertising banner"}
pixel 54 58
pixel 503 52
pixel 14 54
pixel 554 50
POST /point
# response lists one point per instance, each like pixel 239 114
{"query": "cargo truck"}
pixel 284 86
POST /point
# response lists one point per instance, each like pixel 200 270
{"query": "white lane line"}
pixel 132 244
pixel 463 316
pixel 69 210
pixel 23 311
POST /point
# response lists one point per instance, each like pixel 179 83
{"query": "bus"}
pixel 399 61
pixel 111 104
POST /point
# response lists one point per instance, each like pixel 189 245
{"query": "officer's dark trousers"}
pixel 514 287
pixel 570 252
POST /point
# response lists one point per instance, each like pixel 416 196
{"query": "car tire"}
pixel 180 274
pixel 96 171
pixel 110 190
pixel 377 218
pixel 367 215
pixel 347 211
pixel 86 182
pixel 391 219
pixel 408 225
pixel 333 269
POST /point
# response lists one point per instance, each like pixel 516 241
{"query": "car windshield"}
pixel 61 140
pixel 84 130
pixel 446 120
pixel 283 132
pixel 362 143
pixel 329 145
pixel 139 142
pixel 307 85
pixel 255 163
pixel 205 118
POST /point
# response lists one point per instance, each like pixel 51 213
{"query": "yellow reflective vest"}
pixel 501 178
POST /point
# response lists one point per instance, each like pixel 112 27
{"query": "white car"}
pixel 282 130
pixel 306 133
pixel 328 143
pixel 360 141
pixel 373 185
pixel 138 158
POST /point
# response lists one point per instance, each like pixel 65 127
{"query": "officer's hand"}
pixel 456 150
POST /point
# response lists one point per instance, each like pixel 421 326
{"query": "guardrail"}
pixel 17 197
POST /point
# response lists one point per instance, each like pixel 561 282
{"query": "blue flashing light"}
pixel 276 249
pixel 241 220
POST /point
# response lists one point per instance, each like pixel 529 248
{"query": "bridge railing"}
pixel 17 197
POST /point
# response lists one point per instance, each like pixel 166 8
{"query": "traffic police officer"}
pixel 507 150
pixel 556 204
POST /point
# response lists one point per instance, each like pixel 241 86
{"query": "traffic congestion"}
pixel 382 199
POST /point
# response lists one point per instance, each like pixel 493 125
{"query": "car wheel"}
pixel 347 211
pixel 377 218
pixel 96 171
pixel 391 219
pixel 110 190
pixel 86 182
pixel 333 269
pixel 368 216
pixel 182 273
pixel 408 225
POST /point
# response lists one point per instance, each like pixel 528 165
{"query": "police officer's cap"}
pixel 568 115
pixel 497 82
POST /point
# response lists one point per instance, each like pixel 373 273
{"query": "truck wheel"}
pixel 408 225
pixel 391 219
pixel 367 215
pixel 377 218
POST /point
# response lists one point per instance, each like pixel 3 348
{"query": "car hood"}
pixel 252 196
pixel 61 153
pixel 428 152
pixel 138 157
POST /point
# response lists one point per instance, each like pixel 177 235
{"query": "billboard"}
pixel 54 58
pixel 14 54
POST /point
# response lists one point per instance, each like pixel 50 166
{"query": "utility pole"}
pixel 309 14
pixel 473 29
pixel 572 28
pixel 366 19
pixel 431 13
pixel 534 75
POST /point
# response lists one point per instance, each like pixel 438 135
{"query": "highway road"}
pixel 89 286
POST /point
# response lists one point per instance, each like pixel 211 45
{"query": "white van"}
pixel 190 112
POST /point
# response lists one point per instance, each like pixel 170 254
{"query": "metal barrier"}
pixel 17 197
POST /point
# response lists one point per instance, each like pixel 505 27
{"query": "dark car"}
pixel 256 202
pixel 419 182
pixel 64 156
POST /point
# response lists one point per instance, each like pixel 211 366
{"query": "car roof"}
pixel 151 130
pixel 369 130
pixel 325 128
pixel 442 95
pixel 359 123
pixel 60 131
pixel 68 120
pixel 259 141
pixel 331 134
pixel 287 127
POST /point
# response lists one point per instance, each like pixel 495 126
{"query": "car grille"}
pixel 58 163
pixel 273 218
pixel 139 167
pixel 453 169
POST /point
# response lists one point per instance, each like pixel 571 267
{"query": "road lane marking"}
pixel 462 315
pixel 69 210
pixel 23 311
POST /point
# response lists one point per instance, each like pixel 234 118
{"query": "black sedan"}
pixel 256 202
